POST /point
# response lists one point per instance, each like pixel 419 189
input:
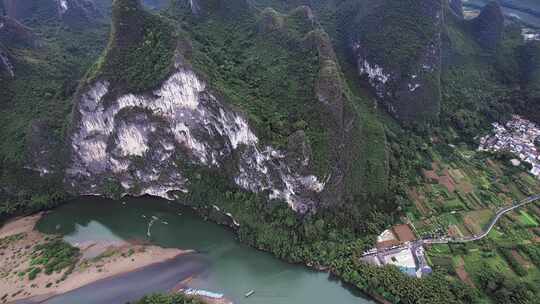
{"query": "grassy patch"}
pixel 527 220
pixel 54 256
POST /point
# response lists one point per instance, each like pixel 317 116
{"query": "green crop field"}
pixel 527 219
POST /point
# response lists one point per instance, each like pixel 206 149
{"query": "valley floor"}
pixel 21 256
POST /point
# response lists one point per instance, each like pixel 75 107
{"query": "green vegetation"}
pixel 248 68
pixel 513 262
pixel 396 33
pixel 140 51
pixel 482 183
pixel 503 289
pixel 4 242
pixel 53 256
pixel 45 80
pixel 332 238
pixel 533 252
pixel 41 92
pixel 246 58
pixel 268 67
pixel 169 299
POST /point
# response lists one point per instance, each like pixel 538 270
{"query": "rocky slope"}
pixel 73 12
pixel 401 59
pixel 125 140
pixel 15 34
pixel 6 67
pixel 142 141
pixel 488 26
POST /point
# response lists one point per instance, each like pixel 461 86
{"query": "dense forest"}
pixel 291 70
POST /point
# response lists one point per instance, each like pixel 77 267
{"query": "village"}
pixel 518 136
pixel 403 246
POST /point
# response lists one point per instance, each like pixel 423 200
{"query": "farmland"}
pixel 457 193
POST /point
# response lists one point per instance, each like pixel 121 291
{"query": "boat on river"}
pixel 249 293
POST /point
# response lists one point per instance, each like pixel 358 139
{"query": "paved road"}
pixel 446 240
pixel 494 221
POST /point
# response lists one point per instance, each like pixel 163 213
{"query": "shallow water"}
pixel 230 267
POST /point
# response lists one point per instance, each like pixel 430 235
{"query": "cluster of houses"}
pixel 529 34
pixel 518 136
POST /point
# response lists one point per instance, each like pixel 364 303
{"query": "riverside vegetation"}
pixel 249 70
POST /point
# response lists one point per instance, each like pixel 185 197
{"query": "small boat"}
pixel 164 222
pixel 249 293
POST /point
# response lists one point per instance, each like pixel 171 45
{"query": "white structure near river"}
pixel 517 136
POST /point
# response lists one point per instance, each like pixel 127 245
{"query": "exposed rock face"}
pixel 72 12
pixel 77 12
pixel 143 140
pixel 44 153
pixel 13 33
pixel 488 26
pixel 412 93
pixel 6 67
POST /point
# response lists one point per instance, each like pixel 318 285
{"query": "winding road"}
pixel 494 221
pixel 446 240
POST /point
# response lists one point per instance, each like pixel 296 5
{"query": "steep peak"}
pixel 140 50
pixel 302 11
pixel 74 13
pixel 13 33
pixel 489 25
pixel 127 23
pixel 319 39
pixel 296 24
pixel 300 21
pixel 271 20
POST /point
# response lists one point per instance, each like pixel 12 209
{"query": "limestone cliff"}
pixel 140 143
pixel 488 26
pixel 71 12
pixel 6 67
pixel 397 47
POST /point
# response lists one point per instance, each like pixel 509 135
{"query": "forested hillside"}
pixel 309 122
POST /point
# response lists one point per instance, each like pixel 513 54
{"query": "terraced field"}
pixel 459 196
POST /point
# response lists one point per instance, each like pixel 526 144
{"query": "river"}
pixel 222 263
pixel 527 18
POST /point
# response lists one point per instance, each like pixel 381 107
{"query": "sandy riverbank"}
pixel 97 261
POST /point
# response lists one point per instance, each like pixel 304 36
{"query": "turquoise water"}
pixel 232 268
